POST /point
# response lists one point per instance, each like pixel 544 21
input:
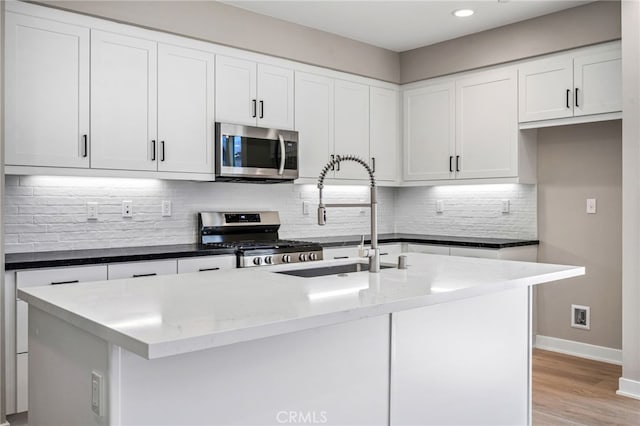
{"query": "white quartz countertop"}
pixel 168 315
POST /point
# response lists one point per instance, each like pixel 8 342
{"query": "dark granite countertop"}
pixel 51 259
pixel 491 243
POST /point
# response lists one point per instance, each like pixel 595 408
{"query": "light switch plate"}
pixel 92 210
pixel 97 393
pixel 305 207
pixel 591 206
pixel 439 206
pixel 506 206
pixel 166 208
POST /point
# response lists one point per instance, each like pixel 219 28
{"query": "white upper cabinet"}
pixel 383 133
pixel 429 132
pixel 123 102
pixel 253 94
pixel 185 110
pixel 598 83
pixel 574 84
pixel 465 128
pixel 351 120
pixel 236 88
pixel 47 93
pixel 546 89
pixel 487 125
pixel 275 97
pixel 314 122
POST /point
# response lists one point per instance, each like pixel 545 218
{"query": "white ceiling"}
pixel 401 25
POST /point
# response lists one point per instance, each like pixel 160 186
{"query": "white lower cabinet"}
pixel 18 321
pixel 206 263
pixel 142 269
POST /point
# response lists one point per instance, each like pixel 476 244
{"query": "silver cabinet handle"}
pixel 261 109
pixel 153 150
pixel 85 146
pixel 282 155
pixel 208 269
pixel 253 108
pixel 144 275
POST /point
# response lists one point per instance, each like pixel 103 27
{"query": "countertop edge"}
pixel 274 328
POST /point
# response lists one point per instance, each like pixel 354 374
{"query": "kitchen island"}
pixel 446 341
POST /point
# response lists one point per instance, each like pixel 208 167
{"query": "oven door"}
pixel 255 153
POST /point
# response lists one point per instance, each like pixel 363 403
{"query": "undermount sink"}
pixel 330 270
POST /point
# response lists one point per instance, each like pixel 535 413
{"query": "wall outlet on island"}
pixel 581 317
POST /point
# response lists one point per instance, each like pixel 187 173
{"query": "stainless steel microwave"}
pixel 246 153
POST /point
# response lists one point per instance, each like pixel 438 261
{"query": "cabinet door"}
pixel 123 102
pixel 185 110
pixel 487 125
pixel 236 100
pixel 275 97
pixel 142 269
pixel 47 98
pixel 206 263
pixel 429 132
pixel 598 83
pixel 546 89
pixel 314 122
pixel 383 133
pixel 351 127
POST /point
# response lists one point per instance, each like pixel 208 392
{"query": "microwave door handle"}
pixel 282 155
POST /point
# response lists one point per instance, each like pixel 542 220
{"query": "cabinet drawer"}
pixel 427 248
pixel 340 252
pixel 474 252
pixel 139 269
pixel 22 382
pixel 201 264
pixel 40 277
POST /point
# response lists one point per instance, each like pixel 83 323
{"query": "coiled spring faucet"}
pixel 374 253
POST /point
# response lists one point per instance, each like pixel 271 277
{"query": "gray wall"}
pixel 593 23
pixel 575 163
pixel 223 24
pixel 631 195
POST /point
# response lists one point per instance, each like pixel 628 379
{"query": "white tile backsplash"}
pixel 45 213
pixel 468 210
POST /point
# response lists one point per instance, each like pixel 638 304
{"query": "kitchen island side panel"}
pixel 335 375
pixel 463 363
pixel 61 360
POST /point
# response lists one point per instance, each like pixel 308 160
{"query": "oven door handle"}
pixel 282 155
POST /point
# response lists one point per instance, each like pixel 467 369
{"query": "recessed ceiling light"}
pixel 463 13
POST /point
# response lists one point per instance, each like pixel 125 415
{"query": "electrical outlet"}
pixel 97 393
pixel 305 208
pixel 591 205
pixel 166 208
pixel 127 209
pixel 506 206
pixel 581 317
pixel 92 210
pixel 439 206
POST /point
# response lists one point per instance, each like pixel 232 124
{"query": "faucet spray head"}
pixel 322 215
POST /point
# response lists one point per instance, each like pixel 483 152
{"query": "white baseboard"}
pixel 579 349
pixel 629 388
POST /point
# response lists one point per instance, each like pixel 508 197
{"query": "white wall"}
pixel 630 380
pixel 469 210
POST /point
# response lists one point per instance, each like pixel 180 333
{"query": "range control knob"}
pixel 313 256
pixel 257 261
pixel 286 258
pixel 302 257
pixel 268 260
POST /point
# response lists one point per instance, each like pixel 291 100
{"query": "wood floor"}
pixel 575 391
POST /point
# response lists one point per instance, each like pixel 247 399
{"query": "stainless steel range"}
pixel 254 236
